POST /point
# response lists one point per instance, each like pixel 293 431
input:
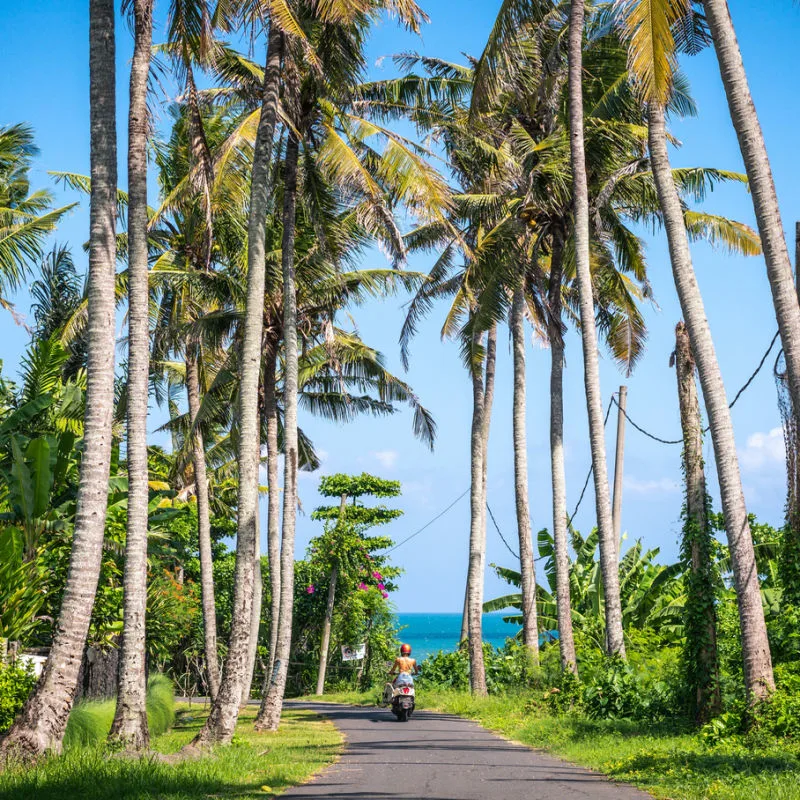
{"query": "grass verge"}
pixel 666 759
pixel 255 765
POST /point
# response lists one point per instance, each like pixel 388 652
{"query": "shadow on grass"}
pixel 710 765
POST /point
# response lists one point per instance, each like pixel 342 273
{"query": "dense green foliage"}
pixel 16 682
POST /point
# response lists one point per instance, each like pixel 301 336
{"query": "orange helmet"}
pixel 405 649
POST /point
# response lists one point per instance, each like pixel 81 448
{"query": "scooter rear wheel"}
pixel 402 715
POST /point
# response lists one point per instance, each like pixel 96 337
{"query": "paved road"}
pixel 440 757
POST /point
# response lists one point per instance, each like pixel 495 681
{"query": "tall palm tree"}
pixel 41 725
pixel 701 617
pixel 762 185
pixel 615 642
pixel 130 717
pixel 649 28
pixel 530 626
pixel 221 722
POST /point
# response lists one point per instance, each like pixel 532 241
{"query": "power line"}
pixel 428 524
pixel 730 405
pixel 497 528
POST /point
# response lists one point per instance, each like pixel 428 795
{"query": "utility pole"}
pixel 616 510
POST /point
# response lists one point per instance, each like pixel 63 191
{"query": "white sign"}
pixel 356 653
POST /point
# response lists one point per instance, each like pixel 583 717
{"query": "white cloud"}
pixel 386 458
pixel 656 486
pixel 763 450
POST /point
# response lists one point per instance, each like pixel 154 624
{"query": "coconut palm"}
pixel 649 29
pixel 591 368
pixel 130 718
pixel 41 725
pixel 26 218
pixel 762 185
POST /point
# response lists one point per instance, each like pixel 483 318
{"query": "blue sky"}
pixel 45 83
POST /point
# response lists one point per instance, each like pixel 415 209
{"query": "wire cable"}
pixel 497 528
pixel 428 524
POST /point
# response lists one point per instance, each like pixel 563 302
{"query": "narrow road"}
pixel 441 757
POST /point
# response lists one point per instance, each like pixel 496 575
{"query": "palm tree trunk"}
pixel 203 524
pixel 701 613
pixel 224 713
pixel 326 632
pixel 274 505
pixel 527 568
pixel 41 724
pixel 130 717
pixel 269 715
pixel 615 642
pixel 762 186
pixel 566 639
pixel 755 646
pixel 255 617
pixel 477 538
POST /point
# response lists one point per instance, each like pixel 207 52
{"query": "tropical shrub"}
pixel 90 720
pixel 16 683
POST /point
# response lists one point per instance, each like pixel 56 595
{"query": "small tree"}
pixel 343 551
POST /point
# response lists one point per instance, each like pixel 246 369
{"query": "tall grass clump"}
pixel 90 720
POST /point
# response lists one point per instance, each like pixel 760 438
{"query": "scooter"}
pixel 400 697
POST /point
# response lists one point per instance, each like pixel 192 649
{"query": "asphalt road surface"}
pixel 441 757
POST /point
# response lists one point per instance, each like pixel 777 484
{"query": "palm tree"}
pixel 762 185
pixel 701 617
pixel 615 643
pixel 649 27
pixel 25 219
pixel 41 725
pixel 130 718
pixel 187 293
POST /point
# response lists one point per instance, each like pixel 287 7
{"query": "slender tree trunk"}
pixel 328 621
pixel 615 642
pixel 274 505
pixel 41 724
pixel 477 672
pixel 701 614
pixel 762 186
pixel 269 715
pixel 255 617
pixel 326 632
pixel 130 717
pixel 755 646
pixel 203 524
pixel 566 639
pixel 221 722
pixel 527 567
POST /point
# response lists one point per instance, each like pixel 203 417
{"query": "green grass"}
pixel 667 760
pixel 255 765
pixel 90 720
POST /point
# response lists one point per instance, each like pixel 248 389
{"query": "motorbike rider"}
pixel 404 666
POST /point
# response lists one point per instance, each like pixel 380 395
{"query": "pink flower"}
pixel 363 587
pixel 377 576
pixel 385 595
pixel 310 589
pixel 381 586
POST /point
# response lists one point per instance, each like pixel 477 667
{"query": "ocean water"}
pixel 429 633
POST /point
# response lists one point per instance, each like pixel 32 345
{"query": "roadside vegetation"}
pixel 252 767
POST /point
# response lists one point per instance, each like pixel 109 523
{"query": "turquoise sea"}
pixel 429 633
